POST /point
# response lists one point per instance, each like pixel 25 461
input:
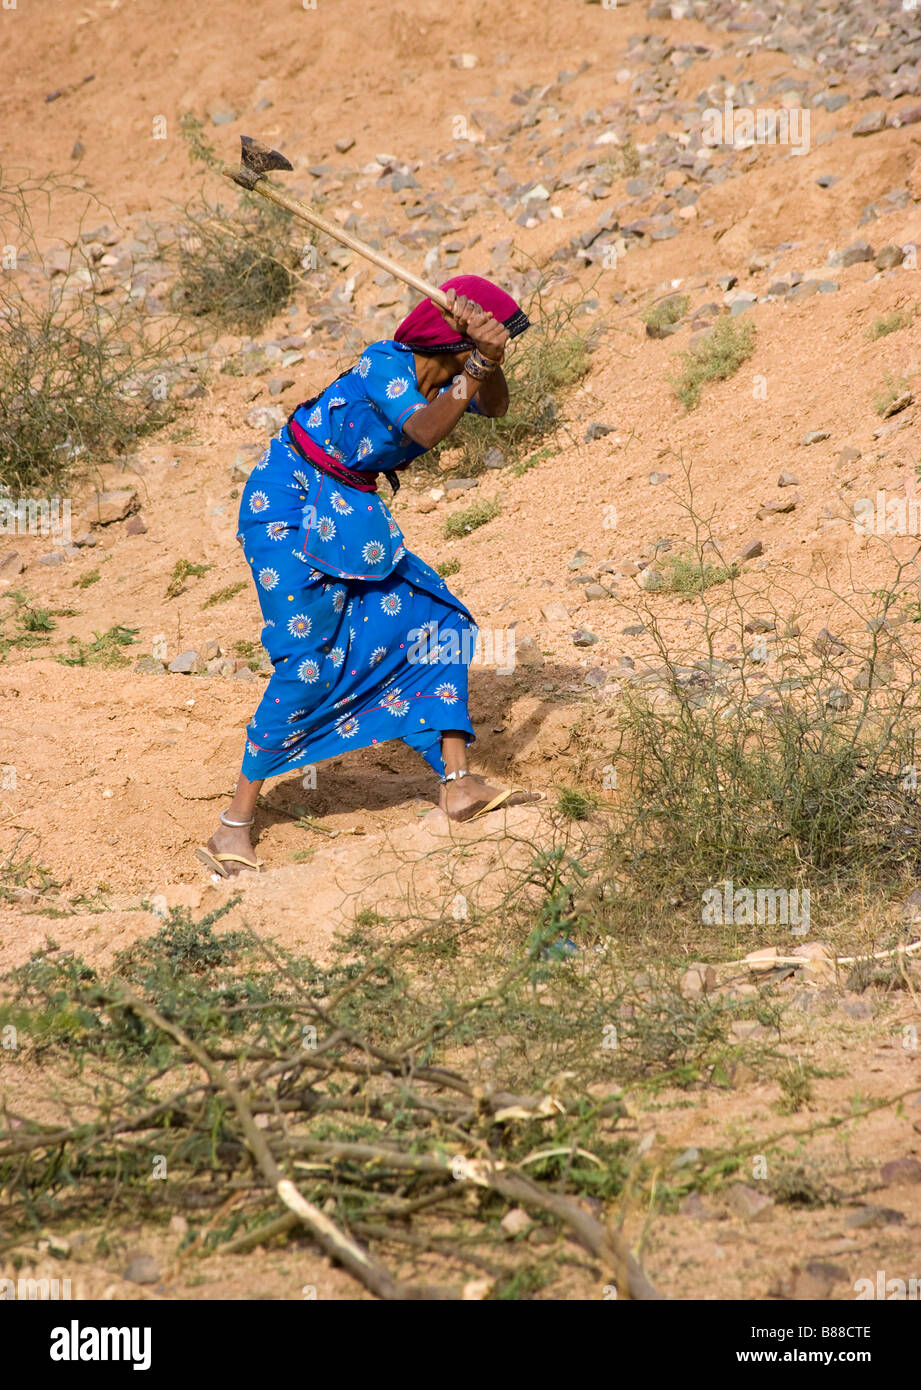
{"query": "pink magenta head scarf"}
pixel 426 331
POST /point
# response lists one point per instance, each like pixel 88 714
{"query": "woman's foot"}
pixel 234 840
pixel 462 799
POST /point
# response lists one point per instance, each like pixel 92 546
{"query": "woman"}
pixel 366 641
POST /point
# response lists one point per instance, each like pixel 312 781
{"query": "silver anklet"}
pixel 454 776
pixel 236 824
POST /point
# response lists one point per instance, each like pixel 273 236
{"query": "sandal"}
pixel 216 862
pixel 528 798
pixel 525 798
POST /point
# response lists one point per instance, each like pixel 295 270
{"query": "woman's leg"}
pixel 237 839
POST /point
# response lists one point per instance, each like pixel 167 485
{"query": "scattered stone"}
pixel 279 384
pixel 829 287
pixel 898 405
pixel 888 257
pixel 555 613
pixel 141 1268
pixel 345 143
pixel 827 644
pixel 857 1008
pixel 54 557
pixel 245 674
pixel 726 282
pixel 815 437
pixel 838 699
pixel 872 677
pixel 596 430
pixel 751 550
pixel 583 638
pixel 651 580
pixel 787 479
pixel 11 565
pixel 748 1202
pixel 596 677
pixel 686 1158
pixel 697 980
pixel 269 418
pixel 245 461
pixel 184 663
pixel 695 1207
pixel 864 1218
pixel 814 1280
pixel 149 666
pixel 759 626
pixel 461 484
pixel 528 653
pixel 634 630
pixel 578 560
pixel 779 507
pixel 870 124
pixel 656 479
pixel 494 458
pixel 515 1222
pixel 851 255
pixel 136 525
pixel 900 1170
pixel 827 180
pixel 107 507
pixel 847 455
pixel 464 60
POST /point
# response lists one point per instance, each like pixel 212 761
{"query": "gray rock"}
pixel 577 561
pixel 597 430
pixel 54 557
pixel 651 580
pixel 851 255
pixel 888 257
pixel 596 591
pixel 184 663
pixel 11 565
pixel 815 437
pixel 787 479
pixel 838 699
pixel 223 117
pixel 863 1218
pixel 528 653
pixel 634 630
pixel 900 1170
pixel 266 417
pixel 749 1203
pixel 278 384
pixel 827 644
pixel 141 1268
pixel 345 143
pixel 149 666
pixel 106 507
pixel 583 638
pixel 494 459
pixel 870 124
pixel 655 479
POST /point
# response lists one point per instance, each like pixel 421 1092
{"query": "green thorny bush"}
pixel 236 267
pixel 760 752
pixel 83 375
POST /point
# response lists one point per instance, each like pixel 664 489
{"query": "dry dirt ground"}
pixel 120 774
